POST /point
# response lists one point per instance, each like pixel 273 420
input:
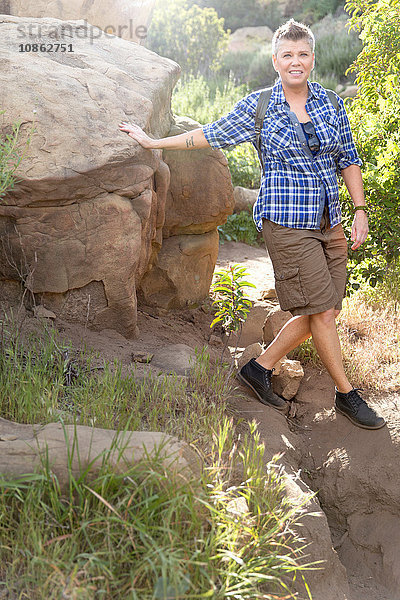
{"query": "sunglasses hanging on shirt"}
pixel 312 138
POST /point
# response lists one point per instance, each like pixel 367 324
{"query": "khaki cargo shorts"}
pixel 309 266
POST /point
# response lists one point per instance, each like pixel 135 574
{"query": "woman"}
pixel 305 140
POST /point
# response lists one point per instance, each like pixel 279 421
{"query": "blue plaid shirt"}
pixel 297 184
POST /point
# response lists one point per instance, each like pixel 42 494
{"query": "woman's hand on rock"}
pixel 137 133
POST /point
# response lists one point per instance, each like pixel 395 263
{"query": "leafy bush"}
pixel 205 100
pixel 336 49
pixel 251 67
pixel 244 166
pixel 192 36
pixel 11 156
pixel 237 13
pixel 375 118
pixel 240 227
pixel 314 10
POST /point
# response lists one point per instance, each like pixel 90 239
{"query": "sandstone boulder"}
pixel 200 195
pixel 23 447
pixel 175 358
pixel 249 38
pixel 125 18
pixel 84 225
pixel 244 199
pixel 85 212
pixel 274 323
pixel 183 271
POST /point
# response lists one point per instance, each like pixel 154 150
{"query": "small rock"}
pixel 176 358
pixel 287 382
pixel 214 339
pixel 238 506
pixel 268 294
pixel 41 312
pixel 274 323
pixel 252 351
pixel 141 357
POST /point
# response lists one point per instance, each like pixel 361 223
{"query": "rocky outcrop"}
pixel 128 19
pixel 199 198
pixel 84 225
pixel 73 449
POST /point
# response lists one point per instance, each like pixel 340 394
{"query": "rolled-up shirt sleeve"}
pixel 348 153
pixel 234 128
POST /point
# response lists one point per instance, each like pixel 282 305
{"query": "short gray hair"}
pixel 294 31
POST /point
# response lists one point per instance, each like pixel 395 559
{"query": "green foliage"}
pixel 237 13
pixel 314 10
pixel 336 49
pixel 378 65
pixel 230 298
pixel 240 227
pixel 375 119
pixel 244 165
pixel 10 157
pixel 254 67
pixel 205 100
pixel 192 36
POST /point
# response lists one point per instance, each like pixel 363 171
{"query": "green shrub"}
pixel 335 49
pixel 192 36
pixel 240 227
pixel 205 100
pixel 237 13
pixel 314 10
pixel 251 67
pixel 11 156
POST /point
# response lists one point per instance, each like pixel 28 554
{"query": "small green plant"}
pixel 230 300
pixel 10 157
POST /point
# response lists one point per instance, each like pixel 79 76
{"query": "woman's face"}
pixel 294 62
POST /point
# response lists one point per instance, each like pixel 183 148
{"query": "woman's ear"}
pixel 313 61
pixel 274 62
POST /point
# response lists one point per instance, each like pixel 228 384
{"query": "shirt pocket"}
pixel 329 133
pixel 276 136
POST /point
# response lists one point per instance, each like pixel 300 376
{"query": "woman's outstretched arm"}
pixel 185 141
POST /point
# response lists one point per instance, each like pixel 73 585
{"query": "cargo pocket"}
pixel 289 289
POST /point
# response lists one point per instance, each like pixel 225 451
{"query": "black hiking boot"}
pixel 352 406
pixel 258 379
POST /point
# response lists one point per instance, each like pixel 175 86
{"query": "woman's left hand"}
pixel 359 230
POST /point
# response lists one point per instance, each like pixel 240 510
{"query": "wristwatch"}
pixel 361 207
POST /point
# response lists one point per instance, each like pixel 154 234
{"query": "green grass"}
pixel 142 533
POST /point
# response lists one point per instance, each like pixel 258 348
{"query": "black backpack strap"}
pixel 261 109
pixel 333 98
